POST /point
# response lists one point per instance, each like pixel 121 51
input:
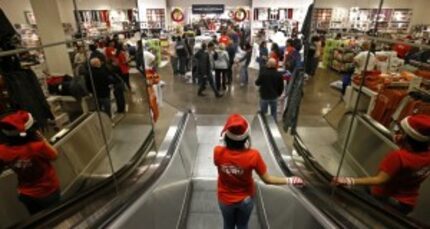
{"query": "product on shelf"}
pixel 343 59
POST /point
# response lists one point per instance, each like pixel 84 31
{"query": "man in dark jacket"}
pixel 271 87
pixel 96 53
pixel 204 70
pixel 102 79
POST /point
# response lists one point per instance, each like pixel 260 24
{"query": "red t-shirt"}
pixel 235 168
pixel 110 53
pixel 32 164
pixel 122 63
pixel 407 171
pixel 402 50
pixel 224 39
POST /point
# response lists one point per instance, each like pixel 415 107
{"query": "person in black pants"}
pixel 231 49
pixel 102 79
pixel 119 86
pixel 271 87
pixel 221 63
pixel 182 54
pixel 204 70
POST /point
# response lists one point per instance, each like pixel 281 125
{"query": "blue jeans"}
pixel 264 105
pixel 244 74
pixel 237 214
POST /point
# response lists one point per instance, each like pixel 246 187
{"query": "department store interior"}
pixel 115 88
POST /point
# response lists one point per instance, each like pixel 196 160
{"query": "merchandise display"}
pixel 343 59
pixel 97 22
pixel 363 19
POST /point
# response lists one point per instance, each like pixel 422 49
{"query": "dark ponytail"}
pixel 237 145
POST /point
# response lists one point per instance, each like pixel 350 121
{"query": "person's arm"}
pixel 227 56
pixel 48 150
pixel 379 179
pixel 388 168
pixel 261 169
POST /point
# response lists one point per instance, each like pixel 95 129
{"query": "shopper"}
pixel 235 163
pixel 173 56
pixel 360 59
pixel 118 86
pixel 274 53
pixel 102 79
pixel 244 61
pixel 231 49
pixel 110 50
pixel 314 55
pixel 264 54
pixel 271 87
pixel 26 152
pixel 297 42
pixel 402 171
pixel 182 54
pixel 221 64
pixel 95 53
pixel 224 39
pixel 80 57
pixel 204 70
pixel 292 57
pixel 121 60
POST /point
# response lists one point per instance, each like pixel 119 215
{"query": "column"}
pixel 50 30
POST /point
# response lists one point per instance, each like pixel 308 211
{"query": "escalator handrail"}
pixel 274 146
pixel 284 167
pixel 318 168
pixel 119 205
pixel 56 212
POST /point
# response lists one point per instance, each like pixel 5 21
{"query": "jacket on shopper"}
pixel 222 61
pixel 102 79
pixel 203 63
pixel 271 83
pixel 26 93
pixel 247 58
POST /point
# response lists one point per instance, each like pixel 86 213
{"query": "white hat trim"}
pixel 412 132
pixel 29 122
pixel 236 137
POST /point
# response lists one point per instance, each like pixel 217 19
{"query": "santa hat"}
pixel 236 128
pixel 20 120
pixel 417 127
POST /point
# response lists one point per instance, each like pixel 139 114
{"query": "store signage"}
pixel 207 9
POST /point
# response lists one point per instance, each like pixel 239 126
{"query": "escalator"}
pixel 176 187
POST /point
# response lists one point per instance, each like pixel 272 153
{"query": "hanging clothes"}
pixel 130 15
pixel 290 14
pixel 26 94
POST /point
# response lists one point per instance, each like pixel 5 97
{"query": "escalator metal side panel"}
pixel 163 204
pixel 282 206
